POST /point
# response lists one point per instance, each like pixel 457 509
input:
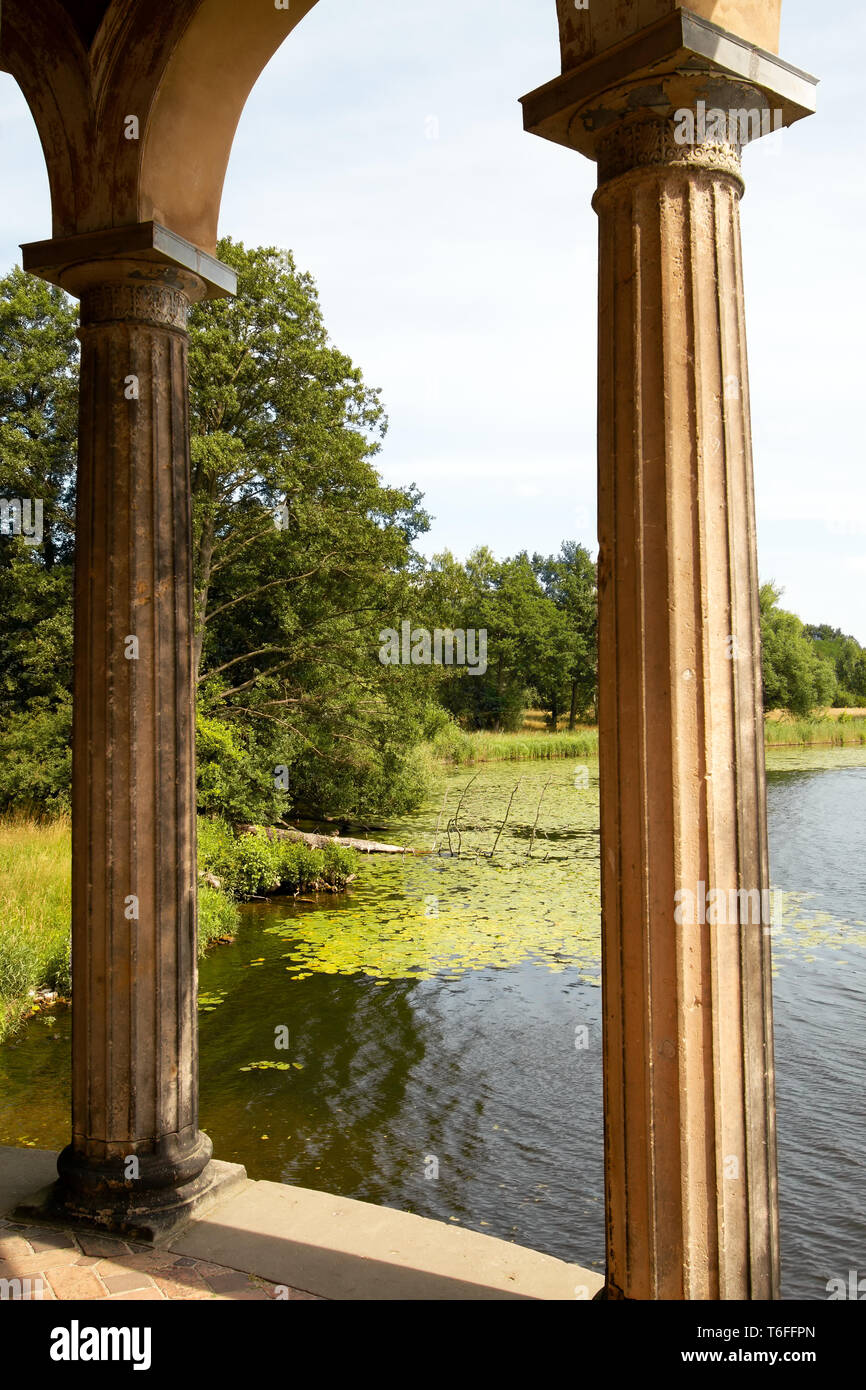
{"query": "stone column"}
pixel 137 1161
pixel 688 1051
pixel 690 1148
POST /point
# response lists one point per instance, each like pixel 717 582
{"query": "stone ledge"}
pixel 342 1249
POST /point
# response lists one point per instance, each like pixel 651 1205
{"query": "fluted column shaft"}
pixel 134 853
pixel 688 1062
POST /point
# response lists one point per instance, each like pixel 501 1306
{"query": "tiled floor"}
pixel 41 1262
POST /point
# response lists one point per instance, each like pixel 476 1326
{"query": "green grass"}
pixel 35 893
pixel 218 916
pixel 36 897
pixel 790 733
pixel 454 746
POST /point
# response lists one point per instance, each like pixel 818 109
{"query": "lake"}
pixel 443 1020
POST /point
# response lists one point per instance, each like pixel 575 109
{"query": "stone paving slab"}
pixel 346 1249
pixel 53 1263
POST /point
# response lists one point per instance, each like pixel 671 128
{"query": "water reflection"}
pixel 438 1013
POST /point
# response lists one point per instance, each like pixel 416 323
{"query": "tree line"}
pixel 302 557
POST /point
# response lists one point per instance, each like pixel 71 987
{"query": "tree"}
pixel 503 599
pixel 301 555
pixel 38 413
pixel 796 679
pixel 540 619
pixel 569 580
pixel 848 659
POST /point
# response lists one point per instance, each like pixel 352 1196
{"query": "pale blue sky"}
pixel 456 261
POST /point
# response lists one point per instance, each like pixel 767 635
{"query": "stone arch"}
pixel 196 110
pixel 84 67
pixel 26 36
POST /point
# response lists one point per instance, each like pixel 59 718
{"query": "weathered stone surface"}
pixel 690 1161
pixel 689 1126
pixel 75 1283
pixel 587 31
pixel 126 1283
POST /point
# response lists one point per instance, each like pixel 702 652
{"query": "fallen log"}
pixel 306 837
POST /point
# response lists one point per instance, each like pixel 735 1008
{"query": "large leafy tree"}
pixel 848 659
pixel 301 555
pixel 540 620
pixel 502 599
pixel 38 414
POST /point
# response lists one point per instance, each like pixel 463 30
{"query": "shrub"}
pixel 247 865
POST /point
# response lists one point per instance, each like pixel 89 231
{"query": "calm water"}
pixel 433 1015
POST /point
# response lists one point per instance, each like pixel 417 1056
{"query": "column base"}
pixel 133 1211
pixel 609 1293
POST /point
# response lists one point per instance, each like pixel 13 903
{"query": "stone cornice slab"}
pixel 56 260
pixel 682 52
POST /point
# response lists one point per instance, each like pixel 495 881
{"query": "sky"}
pixel 456 261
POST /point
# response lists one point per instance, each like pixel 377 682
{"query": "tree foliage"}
pixel 539 615
pixel 302 554
pixel 796 678
pixel 302 557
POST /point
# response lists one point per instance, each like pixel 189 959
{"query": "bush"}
pixel 248 865
pixel 452 745
pixel 340 865
pixel 36 767
pixel 235 767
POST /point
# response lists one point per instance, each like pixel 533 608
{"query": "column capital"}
pixel 656 75
pixel 648 142
pixel 141 269
pixel 126 297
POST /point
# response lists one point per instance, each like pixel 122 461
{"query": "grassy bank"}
pixel 454 747
pixel 791 733
pixel 36 906
pixel 251 865
pixel 35 909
